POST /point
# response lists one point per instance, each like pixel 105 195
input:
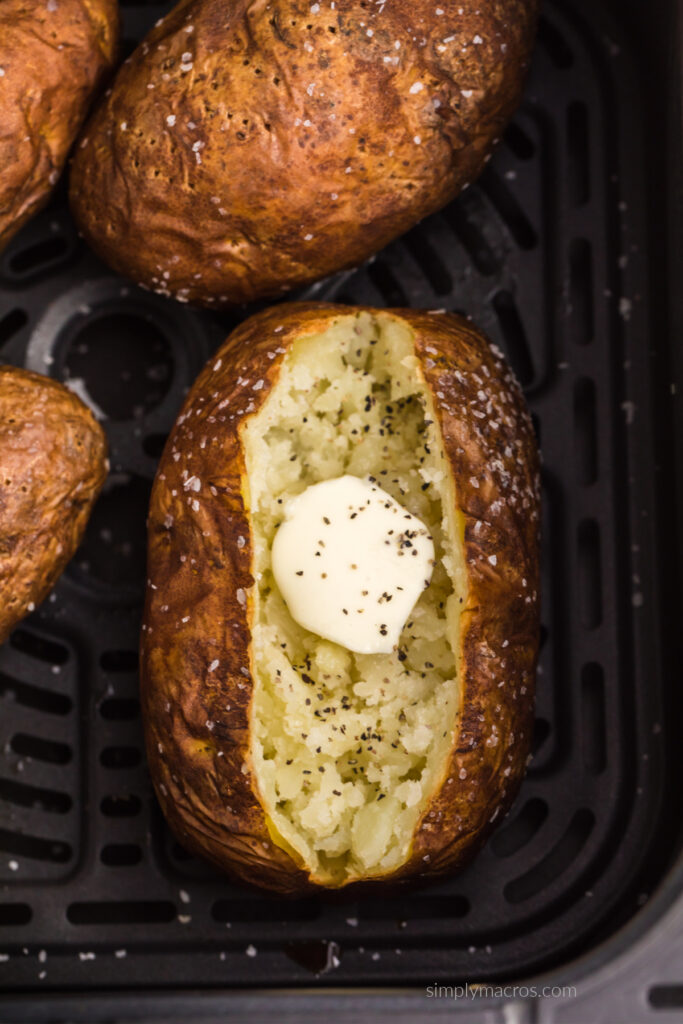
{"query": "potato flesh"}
pixel 347 748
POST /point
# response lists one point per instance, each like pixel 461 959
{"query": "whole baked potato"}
pixel 53 56
pixel 52 466
pixel 292 740
pixel 248 148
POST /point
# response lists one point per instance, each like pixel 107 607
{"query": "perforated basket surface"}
pixel 548 253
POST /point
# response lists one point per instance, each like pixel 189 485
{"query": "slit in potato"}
pixel 347 749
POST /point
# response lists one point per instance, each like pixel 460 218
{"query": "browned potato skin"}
pixel 53 54
pixel 246 193
pixel 195 567
pixel 53 462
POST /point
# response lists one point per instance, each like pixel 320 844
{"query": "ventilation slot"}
pixel 120 757
pixel 423 908
pixel 34 696
pixel 121 855
pixel 509 210
pixel 518 142
pixel 429 261
pixel 540 735
pixel 560 859
pixel 387 285
pixel 38 647
pixel 514 337
pixel 121 709
pixel 31 846
pixel 12 914
pixel 265 910
pixel 666 997
pixel 590 574
pixel 581 291
pixel 471 239
pixel 33 796
pixel 585 431
pixel 521 830
pixel 125 912
pixel 119 661
pixel 123 806
pixel 593 731
pixel 36 259
pixel 11 324
pixel 578 154
pixel 114 548
pixel 153 445
pixel 554 44
pixel 40 749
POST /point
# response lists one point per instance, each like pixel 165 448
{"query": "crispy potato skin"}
pixel 53 55
pixel 52 466
pixel 281 144
pixel 197 574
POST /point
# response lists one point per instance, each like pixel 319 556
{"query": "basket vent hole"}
pixel 34 696
pixel 554 44
pixel 578 154
pixel 124 912
pixel 386 284
pixel 120 709
pixel 114 549
pixel 585 431
pixel 471 238
pixel 38 647
pixel 40 749
pixel 23 845
pixel 153 445
pixel 11 324
pixel 121 855
pixel 514 336
pixel 590 574
pixel 508 209
pixel 121 805
pixel 593 725
pixel 581 291
pixel 119 661
pixel 266 910
pixel 40 256
pixel 424 907
pixel 540 735
pixel 518 142
pixel 521 830
pixel 12 914
pixel 50 800
pixel 125 362
pixel 666 997
pixel 560 859
pixel 120 757
pixel 429 261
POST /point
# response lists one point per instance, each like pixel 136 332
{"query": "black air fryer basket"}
pixel 567 253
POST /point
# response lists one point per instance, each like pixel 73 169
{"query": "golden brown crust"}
pixel 197 721
pixel 284 141
pixel 52 467
pixel 53 56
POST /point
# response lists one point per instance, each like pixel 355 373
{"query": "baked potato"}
pixel 288 759
pixel 53 56
pixel 250 148
pixel 52 466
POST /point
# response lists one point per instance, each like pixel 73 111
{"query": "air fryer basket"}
pixel 550 253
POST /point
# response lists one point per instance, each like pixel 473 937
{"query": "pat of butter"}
pixel 351 563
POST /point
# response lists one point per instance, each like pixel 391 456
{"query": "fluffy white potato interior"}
pixel 348 747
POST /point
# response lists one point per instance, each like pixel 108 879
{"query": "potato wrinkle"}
pixel 348 748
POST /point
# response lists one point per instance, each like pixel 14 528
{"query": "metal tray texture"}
pixel 548 252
